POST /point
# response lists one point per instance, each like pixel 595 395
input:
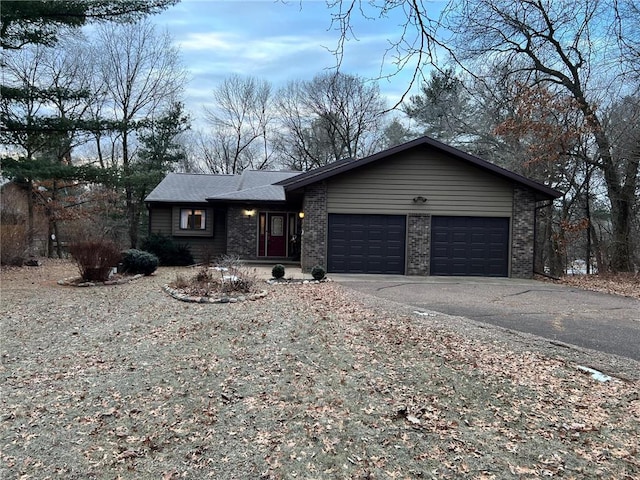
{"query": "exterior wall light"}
pixel 419 199
pixel 250 213
pixel 301 215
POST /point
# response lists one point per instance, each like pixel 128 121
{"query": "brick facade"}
pixel 522 232
pixel 418 244
pixel 242 231
pixel 314 227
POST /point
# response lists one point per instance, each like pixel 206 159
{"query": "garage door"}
pixel 366 243
pixel 470 246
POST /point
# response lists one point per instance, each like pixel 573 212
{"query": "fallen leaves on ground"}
pixel 310 382
pixel 625 284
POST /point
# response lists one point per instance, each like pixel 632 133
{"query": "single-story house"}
pixel 421 208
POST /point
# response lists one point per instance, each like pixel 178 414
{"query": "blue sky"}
pixel 272 40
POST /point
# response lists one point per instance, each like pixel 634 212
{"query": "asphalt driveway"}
pixel 598 321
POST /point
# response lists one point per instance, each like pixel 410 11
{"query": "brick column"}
pixel 522 232
pixel 418 244
pixel 314 227
pixel 242 237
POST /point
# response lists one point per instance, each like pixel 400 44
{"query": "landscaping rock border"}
pixel 75 281
pixel 183 297
pixel 295 281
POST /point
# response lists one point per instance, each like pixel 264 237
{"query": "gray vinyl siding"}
pixel 209 245
pixel 204 249
pixel 451 186
pixel 161 220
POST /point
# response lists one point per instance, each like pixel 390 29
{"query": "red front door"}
pixel 273 235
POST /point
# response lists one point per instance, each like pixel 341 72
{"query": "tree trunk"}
pixel 30 220
pixel 56 232
pixel 128 188
pixel 597 248
pixel 621 241
pixel 50 236
pixel 621 194
pixel 131 218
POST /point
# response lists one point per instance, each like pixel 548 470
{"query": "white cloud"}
pixel 274 41
pixel 207 41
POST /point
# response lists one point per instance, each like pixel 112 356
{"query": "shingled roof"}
pixel 251 185
pixel 267 186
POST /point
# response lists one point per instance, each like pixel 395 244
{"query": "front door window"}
pixel 277 222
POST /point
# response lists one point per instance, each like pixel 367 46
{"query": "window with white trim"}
pixel 193 219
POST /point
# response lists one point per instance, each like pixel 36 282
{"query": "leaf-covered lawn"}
pixel 311 382
pixel 626 284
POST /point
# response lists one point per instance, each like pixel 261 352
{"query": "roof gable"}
pixel 344 166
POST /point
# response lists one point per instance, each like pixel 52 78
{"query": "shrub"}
pixel 138 261
pixel 235 276
pixel 95 259
pixel 278 271
pixel 318 272
pixel 203 275
pixel 180 281
pixel 168 252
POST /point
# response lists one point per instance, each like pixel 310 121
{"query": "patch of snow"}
pixel 579 267
pixel 595 374
pixel 424 314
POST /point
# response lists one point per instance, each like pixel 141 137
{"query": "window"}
pixel 192 219
pixel 277 225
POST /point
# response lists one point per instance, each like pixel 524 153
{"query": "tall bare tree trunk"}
pixel 30 220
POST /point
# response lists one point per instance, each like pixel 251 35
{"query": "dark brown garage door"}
pixel 476 246
pixel 366 243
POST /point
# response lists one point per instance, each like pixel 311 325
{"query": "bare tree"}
pixel 418 40
pixel 331 117
pixel 239 126
pixel 20 118
pixel 552 43
pixel 586 49
pixel 141 73
pixel 43 122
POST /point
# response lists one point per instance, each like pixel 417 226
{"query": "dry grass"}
pixel 311 382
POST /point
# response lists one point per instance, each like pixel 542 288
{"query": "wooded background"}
pixel 93 119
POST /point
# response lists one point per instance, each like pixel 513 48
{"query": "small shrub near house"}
pixel 138 261
pixel 318 272
pixel 95 259
pixel 277 271
pixel 168 252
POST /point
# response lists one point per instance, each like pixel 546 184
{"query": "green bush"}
pixel 138 261
pixel 318 272
pixel 95 259
pixel 278 271
pixel 168 252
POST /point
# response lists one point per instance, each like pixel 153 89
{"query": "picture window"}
pixel 193 219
